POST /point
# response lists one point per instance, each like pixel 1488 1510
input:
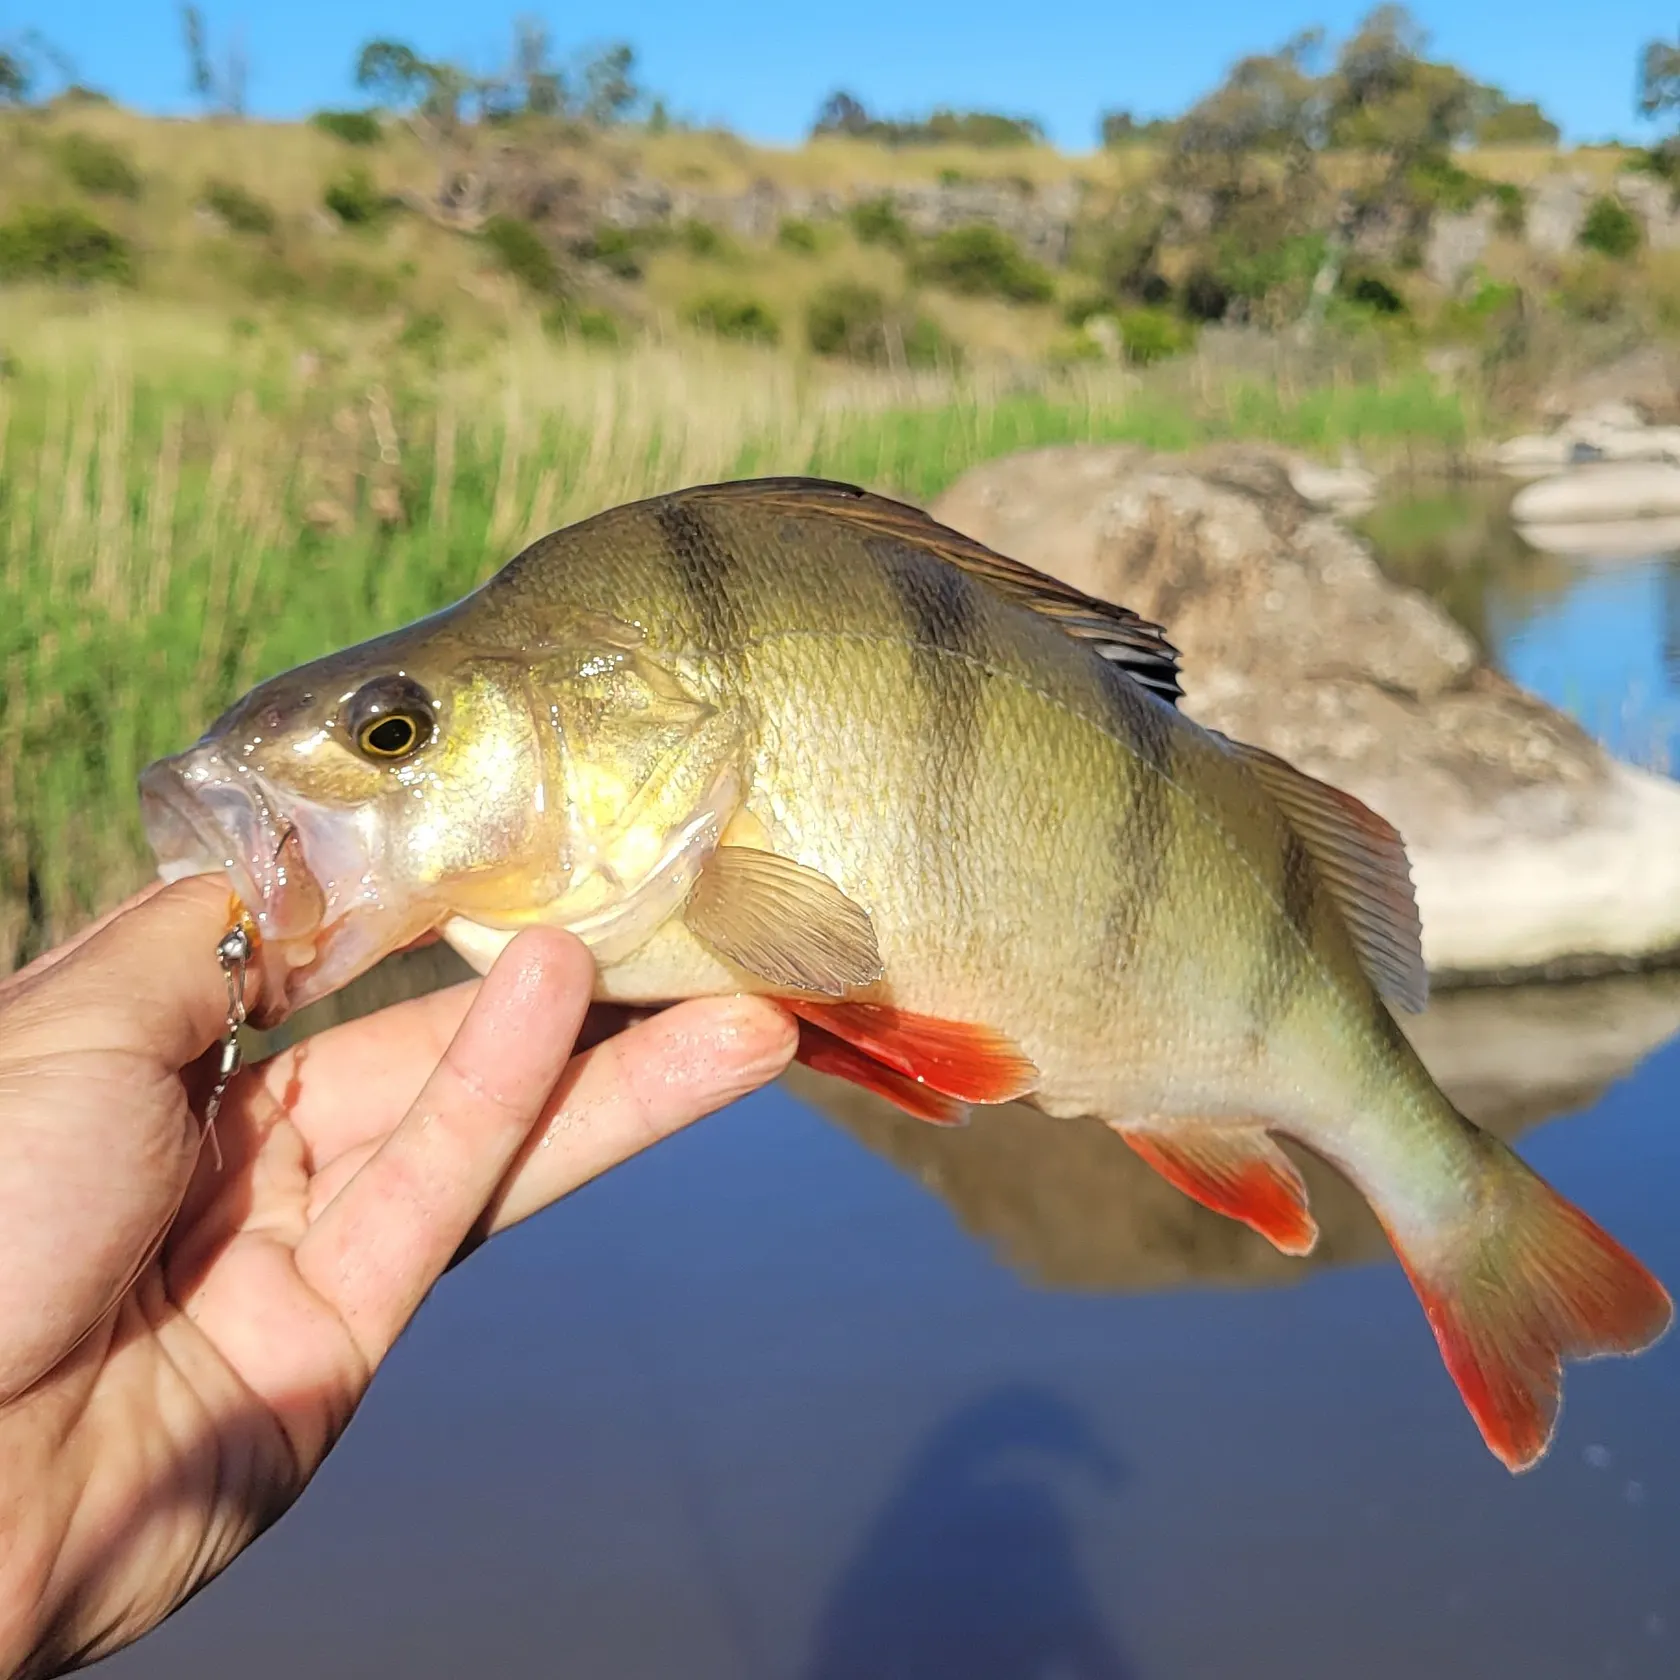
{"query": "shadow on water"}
pixel 971 1569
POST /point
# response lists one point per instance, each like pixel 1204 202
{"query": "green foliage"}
pixel 355 200
pixel 97 167
pixel 520 251
pixel 62 244
pixel 1512 211
pixel 876 221
pixel 799 235
pixel 423 333
pixel 854 321
pixel 616 249
pixel 354 128
pixel 734 315
pixel 1485 310
pixel 841 113
pixel 702 239
pixel 1370 291
pixel 1437 183
pixel 1149 335
pixel 1121 128
pixel 585 323
pixel 1282 271
pixel 238 208
pixel 1512 122
pixel 1080 308
pixel 1609 228
pixel 982 261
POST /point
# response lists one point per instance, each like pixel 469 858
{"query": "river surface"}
pixel 818 1393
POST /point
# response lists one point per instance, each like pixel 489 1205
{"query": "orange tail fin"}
pixel 1534 1283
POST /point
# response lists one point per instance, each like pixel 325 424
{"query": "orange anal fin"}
pixel 1510 1305
pixel 1235 1170
pixel 824 1053
pixel 970 1063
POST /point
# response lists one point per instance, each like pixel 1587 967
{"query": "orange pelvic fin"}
pixel 970 1063
pixel 1235 1170
pixel 1510 1304
pixel 824 1053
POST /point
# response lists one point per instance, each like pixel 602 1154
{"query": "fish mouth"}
pixel 296 867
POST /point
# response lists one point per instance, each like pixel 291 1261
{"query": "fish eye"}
pixel 390 718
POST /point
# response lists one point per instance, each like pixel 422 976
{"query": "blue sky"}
pixel 762 66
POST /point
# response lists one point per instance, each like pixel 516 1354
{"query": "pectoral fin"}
pixel 1235 1170
pixel 783 922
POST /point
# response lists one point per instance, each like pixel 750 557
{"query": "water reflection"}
pixel 971 1570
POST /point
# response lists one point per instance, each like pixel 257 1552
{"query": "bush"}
pixel 1150 335
pixel 616 249
pixel 982 261
pixel 592 326
pixel 1512 216
pixel 876 221
pixel 354 128
pixel 1594 289
pixel 97 167
pixel 734 315
pixel 1371 291
pixel 1610 228
pixel 62 244
pixel 847 319
pixel 701 239
pixel 519 251
pixel 1083 305
pixel 238 209
pixel 1205 297
pixel 796 234
pixel 355 200
pixel 423 333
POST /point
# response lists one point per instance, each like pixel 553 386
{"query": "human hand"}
pixel 149 1433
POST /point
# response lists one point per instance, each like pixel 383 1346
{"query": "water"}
pixel 837 1396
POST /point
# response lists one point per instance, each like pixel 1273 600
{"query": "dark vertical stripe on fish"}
pixel 1144 832
pixel 704 571
pixel 942 611
pixel 1284 970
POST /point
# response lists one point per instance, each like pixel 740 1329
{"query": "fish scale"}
pixel 786 737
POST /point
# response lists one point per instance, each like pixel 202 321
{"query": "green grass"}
pixel 176 526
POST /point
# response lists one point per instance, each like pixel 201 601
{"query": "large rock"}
pixel 1603 490
pixel 1533 853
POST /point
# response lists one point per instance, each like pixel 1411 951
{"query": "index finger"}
pixel 147 981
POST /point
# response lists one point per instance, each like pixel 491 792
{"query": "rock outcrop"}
pixel 1533 853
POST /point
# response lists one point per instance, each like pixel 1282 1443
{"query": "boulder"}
pixel 1533 853
pixel 1604 490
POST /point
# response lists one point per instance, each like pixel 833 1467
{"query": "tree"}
pixel 1659 78
pixel 394 73
pixel 15 79
pixel 540 85
pixel 610 90
pixel 842 113
pixel 222 89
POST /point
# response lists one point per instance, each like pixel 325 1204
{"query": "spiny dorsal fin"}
pixel 1136 646
pixel 1362 861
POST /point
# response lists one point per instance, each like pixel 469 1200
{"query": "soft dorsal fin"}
pixel 1362 861
pixel 1136 646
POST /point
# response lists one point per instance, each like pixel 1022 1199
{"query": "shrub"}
pixel 982 261
pixel 1371 291
pixel 796 234
pixel 1083 305
pixel 1149 335
pixel 592 326
pixel 62 244
pixel 423 333
pixel 1512 214
pixel 354 128
pixel 238 209
pixel 1205 296
pixel 1609 228
pixel 876 221
pixel 355 200
pixel 1594 289
pixel 616 249
pixel 734 315
pixel 701 239
pixel 519 251
pixel 98 167
pixel 855 321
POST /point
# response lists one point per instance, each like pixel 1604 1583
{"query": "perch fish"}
pixel 784 736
